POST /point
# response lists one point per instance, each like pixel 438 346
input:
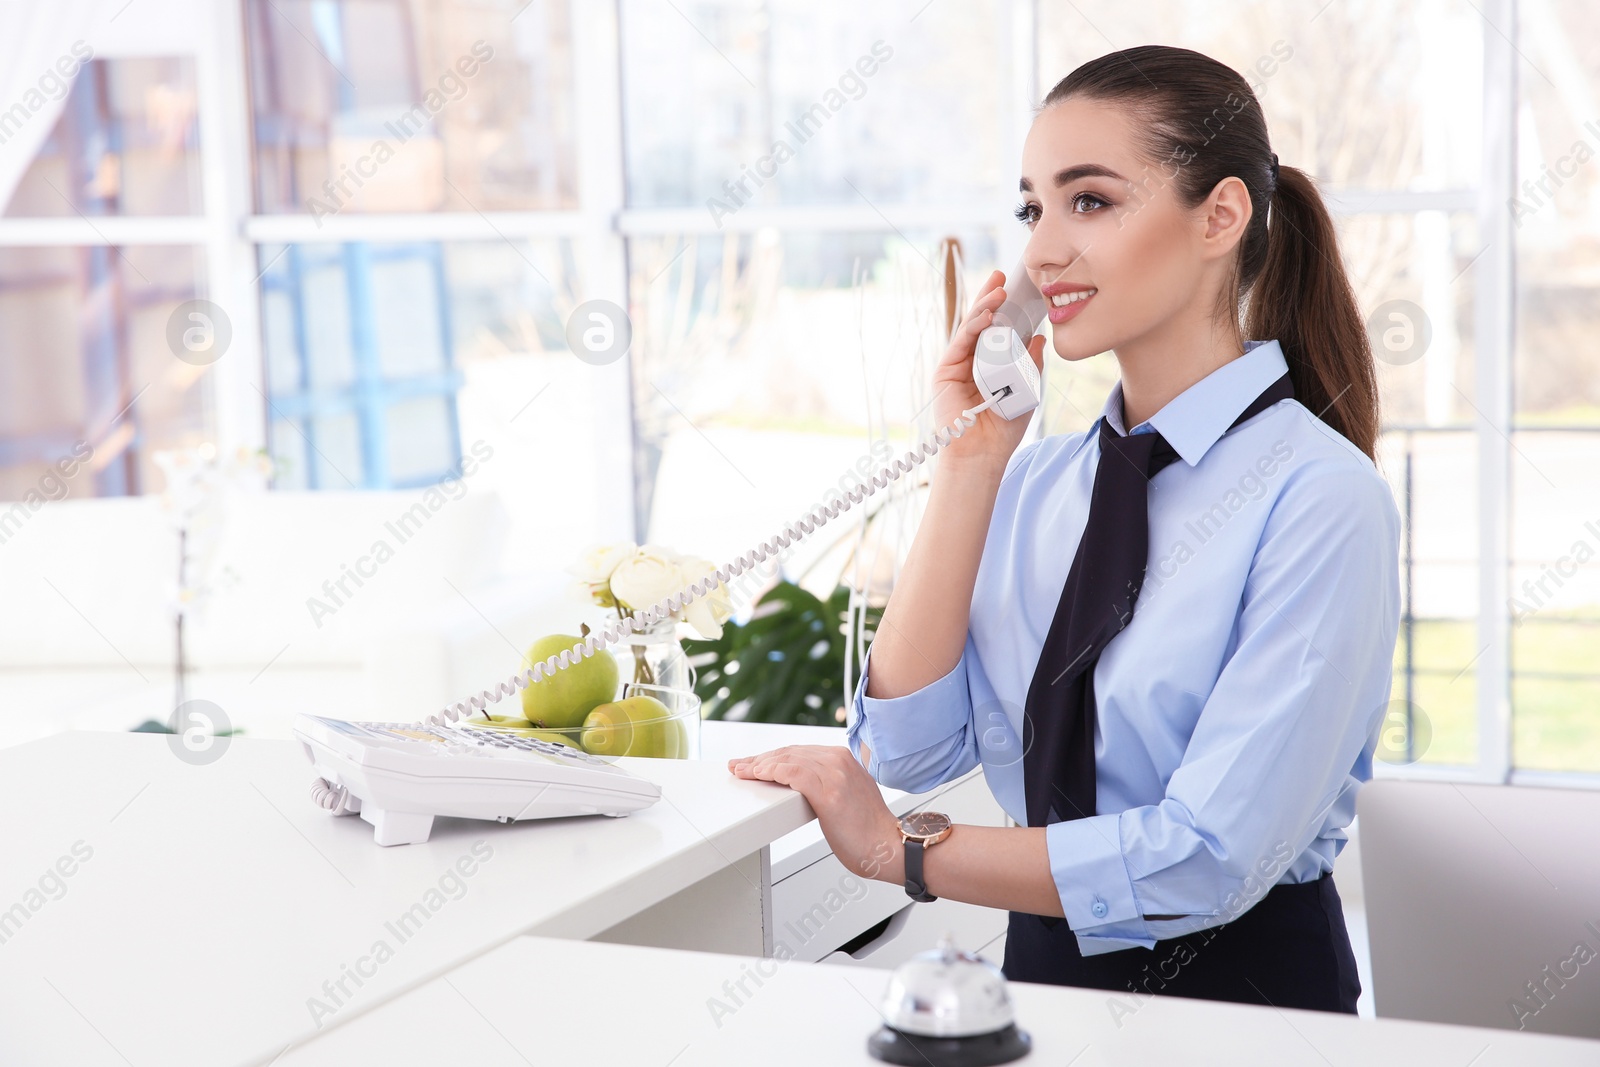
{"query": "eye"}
pixel 1076 200
pixel 1027 214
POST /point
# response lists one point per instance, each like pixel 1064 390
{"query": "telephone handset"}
pixel 1001 366
pixel 399 776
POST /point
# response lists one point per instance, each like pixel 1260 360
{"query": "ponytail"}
pixel 1303 298
pixel 1290 277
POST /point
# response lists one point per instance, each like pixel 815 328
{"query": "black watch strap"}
pixel 915 888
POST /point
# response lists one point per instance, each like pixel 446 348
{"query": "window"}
pixel 390 106
pixel 374 107
pixel 784 206
pixel 362 388
pixel 126 144
pixel 795 102
pixel 90 368
pixel 1555 441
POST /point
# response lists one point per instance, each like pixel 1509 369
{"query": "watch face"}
pixel 925 824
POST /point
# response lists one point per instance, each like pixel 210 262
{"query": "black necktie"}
pixel 1096 605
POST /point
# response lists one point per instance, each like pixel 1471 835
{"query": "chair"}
pixel 1483 904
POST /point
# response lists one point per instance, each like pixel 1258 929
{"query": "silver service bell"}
pixel 948 1008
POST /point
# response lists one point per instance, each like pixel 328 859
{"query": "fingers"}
pixel 814 757
pixel 801 776
pixel 988 302
pixel 747 763
pixel 995 280
pixel 760 755
pixel 965 339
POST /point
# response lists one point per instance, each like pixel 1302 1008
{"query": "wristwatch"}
pixel 918 831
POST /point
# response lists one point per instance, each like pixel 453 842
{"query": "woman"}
pixel 1168 640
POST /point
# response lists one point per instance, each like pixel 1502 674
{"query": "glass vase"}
pixel 657 656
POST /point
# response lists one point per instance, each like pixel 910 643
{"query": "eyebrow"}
pixel 1072 174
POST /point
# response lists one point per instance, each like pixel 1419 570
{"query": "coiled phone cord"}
pixel 598 641
pixel 324 794
pixel 335 798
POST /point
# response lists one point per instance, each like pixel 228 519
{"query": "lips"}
pixel 1067 300
pixel 1055 289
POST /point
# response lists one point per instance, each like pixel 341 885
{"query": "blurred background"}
pixel 274 272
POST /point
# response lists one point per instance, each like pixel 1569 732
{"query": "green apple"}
pixel 655 733
pixel 607 731
pixel 637 726
pixel 681 728
pixel 562 700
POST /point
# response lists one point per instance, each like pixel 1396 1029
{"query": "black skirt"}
pixel 1289 950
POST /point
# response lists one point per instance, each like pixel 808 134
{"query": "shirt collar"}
pixel 1193 420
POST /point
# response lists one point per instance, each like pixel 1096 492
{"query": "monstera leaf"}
pixel 786 664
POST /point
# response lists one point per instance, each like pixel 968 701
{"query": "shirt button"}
pixel 1099 909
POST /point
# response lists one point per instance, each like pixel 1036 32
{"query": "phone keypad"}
pixel 496 739
pixel 461 739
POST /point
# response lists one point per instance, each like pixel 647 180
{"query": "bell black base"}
pixel 978 1050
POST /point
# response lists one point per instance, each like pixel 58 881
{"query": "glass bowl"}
pixel 674 736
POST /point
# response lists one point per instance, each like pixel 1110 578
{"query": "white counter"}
pixel 550 1002
pixel 215 902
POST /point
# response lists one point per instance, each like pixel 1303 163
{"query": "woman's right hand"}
pixel 991 440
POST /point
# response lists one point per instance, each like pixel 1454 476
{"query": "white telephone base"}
pixel 398 776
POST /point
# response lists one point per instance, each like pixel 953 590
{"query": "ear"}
pixel 1226 216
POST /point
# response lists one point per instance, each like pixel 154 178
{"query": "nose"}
pixel 1049 254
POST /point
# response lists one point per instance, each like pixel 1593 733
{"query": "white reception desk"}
pixel 541 1001
pixel 163 913
pixel 155 912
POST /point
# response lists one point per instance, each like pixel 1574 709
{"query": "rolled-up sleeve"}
pixel 1286 729
pixel 920 740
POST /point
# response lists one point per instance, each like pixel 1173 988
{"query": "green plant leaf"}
pixel 792 650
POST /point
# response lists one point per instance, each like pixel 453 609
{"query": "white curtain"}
pixel 43 44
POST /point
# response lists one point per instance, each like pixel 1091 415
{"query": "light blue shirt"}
pixel 1236 714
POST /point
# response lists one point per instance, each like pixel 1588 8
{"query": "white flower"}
pixel 595 566
pixel 649 575
pixel 705 613
pixel 652 573
pixel 664 552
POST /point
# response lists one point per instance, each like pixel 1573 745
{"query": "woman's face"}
pixel 1105 219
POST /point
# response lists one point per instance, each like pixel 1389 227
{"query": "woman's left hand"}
pixel 863 833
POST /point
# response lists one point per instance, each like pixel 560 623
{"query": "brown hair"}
pixel 1203 116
